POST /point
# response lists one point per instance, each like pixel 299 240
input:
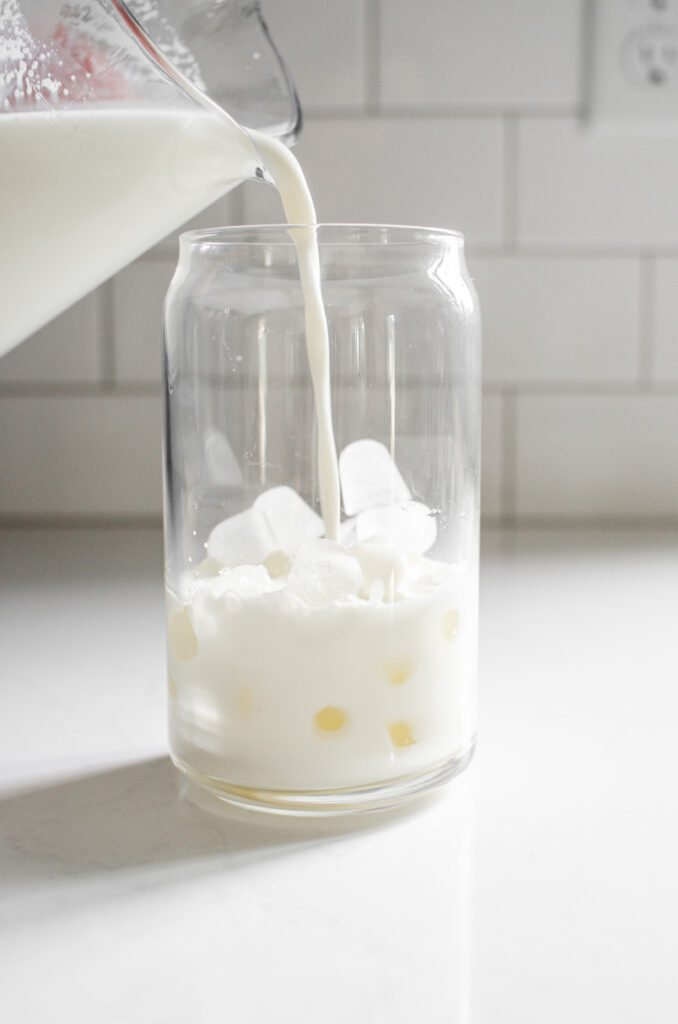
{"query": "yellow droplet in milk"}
pixel 401 735
pixel 277 564
pixel 244 702
pixel 398 670
pixel 330 719
pixel 450 624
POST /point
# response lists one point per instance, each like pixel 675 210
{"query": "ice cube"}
pixel 242 539
pixel 410 526
pixel 279 520
pixel 369 477
pixel 220 462
pixel 289 519
pixel 244 581
pixel 210 597
pixel 347 532
pixel 324 572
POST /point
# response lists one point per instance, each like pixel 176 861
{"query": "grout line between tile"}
pixel 531 519
pixel 510 184
pixel 54 389
pixel 592 521
pixel 516 389
pixel 374 107
pixel 372 57
pixel 351 112
pixel 485 110
pixel 78 521
pixel 594 250
pixel 646 322
pixel 106 325
pixel 558 251
pixel 78 390
pixel 588 29
pixel 577 389
pixel 509 457
pixel 668 388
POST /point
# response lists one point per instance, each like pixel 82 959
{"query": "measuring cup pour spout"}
pixel 118 122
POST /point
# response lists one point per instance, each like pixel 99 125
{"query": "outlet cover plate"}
pixel 634 63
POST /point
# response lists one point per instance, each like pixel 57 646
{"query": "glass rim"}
pixel 329 233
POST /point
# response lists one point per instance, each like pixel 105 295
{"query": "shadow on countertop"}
pixel 138 824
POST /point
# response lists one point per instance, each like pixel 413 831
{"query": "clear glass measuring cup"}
pixel 118 122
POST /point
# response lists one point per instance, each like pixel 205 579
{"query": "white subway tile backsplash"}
pixel 480 53
pixel 577 186
pixel 139 290
pixel 138 294
pixel 330 72
pixel 665 347
pixel 220 214
pixel 440 172
pixel 452 113
pixel 492 465
pixel 558 319
pixel 80 456
pixel 67 350
pixel 606 456
pixel 261 203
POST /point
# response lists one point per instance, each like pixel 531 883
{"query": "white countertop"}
pixel 539 887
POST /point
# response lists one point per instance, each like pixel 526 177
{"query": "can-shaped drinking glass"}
pixel 321 515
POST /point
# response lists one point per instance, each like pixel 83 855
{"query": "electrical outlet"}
pixel 634 72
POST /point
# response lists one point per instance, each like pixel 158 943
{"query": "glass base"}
pixel 315 803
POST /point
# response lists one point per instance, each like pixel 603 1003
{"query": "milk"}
pixel 270 693
pixel 299 209
pixel 85 191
